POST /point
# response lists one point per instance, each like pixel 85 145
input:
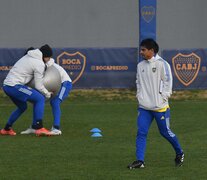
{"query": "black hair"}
pixel 150 44
pixel 46 51
pixel 30 48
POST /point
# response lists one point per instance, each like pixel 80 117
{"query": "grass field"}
pixel 76 155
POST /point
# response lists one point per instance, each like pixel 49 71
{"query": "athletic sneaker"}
pixel 136 164
pixel 55 132
pixel 10 132
pixel 179 159
pixel 42 132
pixel 28 131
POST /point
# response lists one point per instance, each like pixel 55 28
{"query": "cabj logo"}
pixel 73 63
pixel 148 12
pixel 186 67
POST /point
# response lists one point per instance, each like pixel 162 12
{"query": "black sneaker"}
pixel 136 164
pixel 179 159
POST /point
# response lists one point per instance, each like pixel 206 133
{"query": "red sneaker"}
pixel 10 132
pixel 42 132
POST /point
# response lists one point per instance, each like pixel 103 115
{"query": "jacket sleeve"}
pixel 38 79
pixel 166 81
pixel 138 80
pixel 50 62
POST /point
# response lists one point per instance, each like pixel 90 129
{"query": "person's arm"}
pixel 38 79
pixel 138 80
pixel 166 82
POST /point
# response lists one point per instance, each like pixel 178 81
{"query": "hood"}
pixel 37 54
pixel 154 58
pixel 50 62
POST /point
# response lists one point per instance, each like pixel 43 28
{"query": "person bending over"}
pixel 55 101
pixel 31 65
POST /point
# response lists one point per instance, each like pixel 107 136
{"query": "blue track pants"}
pixel 20 94
pixel 57 100
pixel 144 120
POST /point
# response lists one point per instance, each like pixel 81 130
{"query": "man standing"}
pixel 154 87
pixel 32 65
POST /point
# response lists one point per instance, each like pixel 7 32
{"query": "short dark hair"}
pixel 150 44
pixel 29 49
pixel 46 51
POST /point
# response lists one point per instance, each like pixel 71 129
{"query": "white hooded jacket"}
pixel 154 83
pixel 29 66
pixel 63 74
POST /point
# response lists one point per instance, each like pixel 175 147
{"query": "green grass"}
pixel 75 155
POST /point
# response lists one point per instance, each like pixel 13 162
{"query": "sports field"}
pixel 76 155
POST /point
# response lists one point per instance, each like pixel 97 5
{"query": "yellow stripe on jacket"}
pixel 163 109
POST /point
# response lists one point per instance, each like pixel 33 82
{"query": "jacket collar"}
pixel 154 58
pixel 50 62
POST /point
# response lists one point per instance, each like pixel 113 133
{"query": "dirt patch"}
pixel 128 94
pixel 190 95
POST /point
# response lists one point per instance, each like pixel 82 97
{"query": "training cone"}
pixel 95 130
pixel 96 135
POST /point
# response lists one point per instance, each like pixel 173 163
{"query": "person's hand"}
pixel 48 95
pixel 165 96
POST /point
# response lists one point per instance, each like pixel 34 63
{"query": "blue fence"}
pixel 189 68
pixel 87 67
pixel 116 67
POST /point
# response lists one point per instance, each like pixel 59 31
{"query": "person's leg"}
pixel 57 100
pixel 56 111
pixel 38 101
pixel 144 121
pixel 163 123
pixel 19 99
pixel 21 107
